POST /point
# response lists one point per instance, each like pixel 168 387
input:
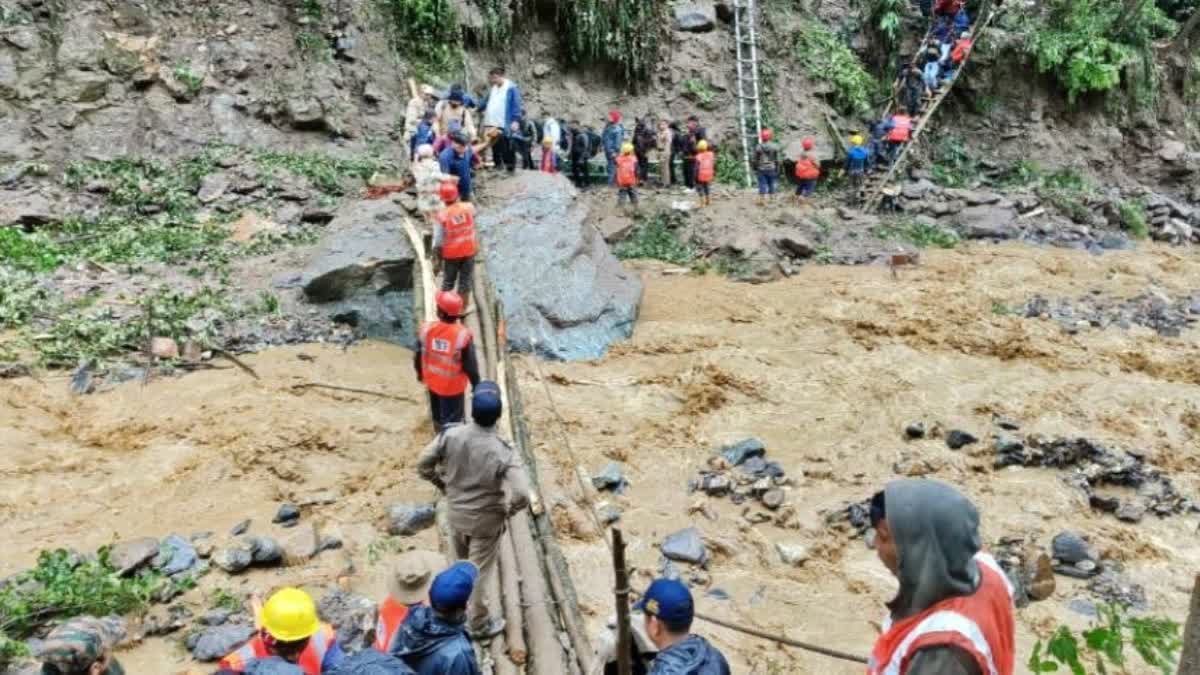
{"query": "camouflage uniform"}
pixel 75 645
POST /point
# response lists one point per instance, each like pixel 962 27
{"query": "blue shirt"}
pixel 856 159
pixel 451 163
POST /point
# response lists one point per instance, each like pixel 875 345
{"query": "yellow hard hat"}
pixel 856 139
pixel 547 141
pixel 627 149
pixel 702 146
pixel 290 615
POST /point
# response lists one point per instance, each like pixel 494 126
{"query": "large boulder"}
pixel 565 295
pixel 363 272
pixel 987 222
pixel 695 17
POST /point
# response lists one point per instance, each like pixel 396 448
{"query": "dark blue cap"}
pixel 486 399
pixel 669 600
pixel 452 588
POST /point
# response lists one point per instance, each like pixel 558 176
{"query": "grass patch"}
pixel 1133 218
pixel 919 234
pixel 700 92
pixel 1023 173
pixel 189 78
pixel 223 599
pixel 826 57
pixel 953 165
pixel 654 238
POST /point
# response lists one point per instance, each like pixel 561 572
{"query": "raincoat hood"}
pixel 372 662
pixel 693 656
pixel 936 531
pixel 432 646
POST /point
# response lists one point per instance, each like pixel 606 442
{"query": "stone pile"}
pixel 742 472
pixel 1153 309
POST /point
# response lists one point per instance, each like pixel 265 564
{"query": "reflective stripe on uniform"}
pixel 942 622
pixel 391 615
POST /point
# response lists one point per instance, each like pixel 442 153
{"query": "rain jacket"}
pixel 372 662
pixel 273 665
pixel 614 137
pixel 692 656
pixel 512 106
pixel 455 165
pixel 433 646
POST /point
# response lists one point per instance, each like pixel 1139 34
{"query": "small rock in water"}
pixel 408 519
pixel 716 485
pixel 214 643
pixel 127 556
pixel 1131 512
pixel 610 478
pixel 175 555
pixel 792 554
pixel 915 430
pixel 957 439
pixel 265 551
pixel 1007 424
pixel 1041 574
pixel 686 545
pixel 287 515
pixel 741 451
pixel 1070 548
pixel 234 559
pixel 204 548
pixel 717 594
pixel 1115 589
pixel 330 543
pixel 773 499
pixel 240 529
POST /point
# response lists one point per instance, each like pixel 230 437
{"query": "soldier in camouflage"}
pixel 82 646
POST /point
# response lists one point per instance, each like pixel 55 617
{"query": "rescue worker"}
pixel 445 361
pixel 962 48
pixel 613 139
pixel 695 134
pixel 912 85
pixel 899 128
pixel 808 170
pixel 856 165
pixel 485 483
pixel 82 646
pixel 433 639
pixel 669 612
pixel 581 152
pixel 408 587
pixel 549 156
pixel 627 176
pixel 372 662
pixel 706 171
pixel 766 165
pixel 953 614
pixel 290 630
pixel 644 142
pixel 454 242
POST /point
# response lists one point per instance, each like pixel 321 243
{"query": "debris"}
pixel 265 551
pixel 957 439
pixel 915 430
pixel 288 515
pixel 913 464
pixel 774 498
pixel 234 559
pixel 214 643
pixel 240 529
pixel 792 554
pixel 1007 445
pixel 686 545
pixel 741 451
pixel 128 556
pixel 611 478
pixel 1114 589
pixel 301 545
pixel 352 616
pixel 175 555
pixel 1131 512
pixel 1070 548
pixel 409 519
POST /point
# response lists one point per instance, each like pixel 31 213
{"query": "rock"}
pixel 610 478
pixel 1172 151
pixel 1006 445
pixel 373 94
pixel 82 86
pixel 758 467
pixel 352 616
pixel 741 451
pixel 287 513
pixel 164 348
pixel 251 225
pixel 204 548
pixel 978 197
pixel 564 294
pixel 240 528
pixel 917 189
pixel 362 271
pixel 234 559
pixel 128 556
pixel 265 551
pixel 1070 548
pixel 175 555
pixel 792 554
pixel 774 498
pixel 165 620
pixel 915 430
pixel 24 38
pixel 316 213
pixel 716 485
pixel 1007 424
pixel 214 643
pixel 306 113
pixel 796 247
pixel 1083 607
pixel 216 617
pixel 695 17
pixel 27 208
pixel 301 545
pixel 409 519
pixel 686 545
pixel 987 222
pixel 213 187
pixel 541 70
pixel 132 57
pixel 1041 578
pixel 1114 589
pixel 956 439
pixel 1131 511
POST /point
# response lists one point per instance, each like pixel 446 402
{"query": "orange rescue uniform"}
pixel 442 346
pixel 310 661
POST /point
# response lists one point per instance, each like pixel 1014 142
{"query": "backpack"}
pixel 581 145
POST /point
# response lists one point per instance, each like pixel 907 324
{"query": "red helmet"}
pixel 614 116
pixel 450 303
pixel 448 191
pixel 807 144
pixel 764 135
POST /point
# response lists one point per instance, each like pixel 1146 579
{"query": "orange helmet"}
pixel 450 303
pixel 448 191
pixel 807 144
pixel 764 135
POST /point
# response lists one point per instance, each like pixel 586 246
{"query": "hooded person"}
pixel 82 646
pixel 669 611
pixel 433 639
pixel 373 662
pixel 953 612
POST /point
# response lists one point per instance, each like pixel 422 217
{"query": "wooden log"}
pixel 545 652
pixel 1189 659
pixel 624 637
pixel 510 583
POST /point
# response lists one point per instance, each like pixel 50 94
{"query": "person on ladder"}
pixel 445 361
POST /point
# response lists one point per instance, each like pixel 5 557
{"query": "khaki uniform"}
pixel 485 481
pixel 445 113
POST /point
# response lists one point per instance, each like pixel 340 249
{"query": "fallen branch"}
pixel 237 362
pixel 352 390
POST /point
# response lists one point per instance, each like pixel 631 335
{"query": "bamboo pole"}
pixel 624 663
pixel 1189 660
pixel 545 652
pixel 511 590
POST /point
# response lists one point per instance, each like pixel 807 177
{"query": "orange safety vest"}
pixel 626 171
pixel 901 129
pixel 807 169
pixel 961 49
pixel 391 615
pixel 706 166
pixel 980 623
pixel 442 345
pixel 458 223
pixel 310 659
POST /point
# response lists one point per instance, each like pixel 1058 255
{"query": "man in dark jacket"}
pixel 644 140
pixel 695 134
pixel 433 640
pixel 372 662
pixel 456 160
pixel 679 145
pixel 669 612
pixel 581 152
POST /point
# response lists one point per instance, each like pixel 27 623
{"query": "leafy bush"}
pixel 922 235
pixel 22 296
pixel 425 32
pixel 31 252
pixel 1133 218
pixel 730 169
pixel 953 166
pixel 700 92
pixel 189 78
pixel 654 238
pixel 622 33
pixel 1155 640
pixel 826 57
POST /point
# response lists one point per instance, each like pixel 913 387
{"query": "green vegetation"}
pixel 1022 173
pixel 188 78
pixel 426 33
pixel 625 34
pixel 826 57
pixel 1086 44
pixel 1155 640
pixel 700 92
pixel 1133 218
pixel 919 234
pixel 63 585
pixel 497 22
pixel 953 166
pixel 730 168
pixel 886 15
pixel 1001 309
pixel 653 237
pixel 223 599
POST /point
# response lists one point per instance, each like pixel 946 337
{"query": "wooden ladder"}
pixel 749 101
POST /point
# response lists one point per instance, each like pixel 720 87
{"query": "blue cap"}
pixel 452 588
pixel 669 600
pixel 486 400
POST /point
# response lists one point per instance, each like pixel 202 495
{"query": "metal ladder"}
pixel 747 80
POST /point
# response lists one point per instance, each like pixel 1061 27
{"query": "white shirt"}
pixel 551 130
pixel 497 106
